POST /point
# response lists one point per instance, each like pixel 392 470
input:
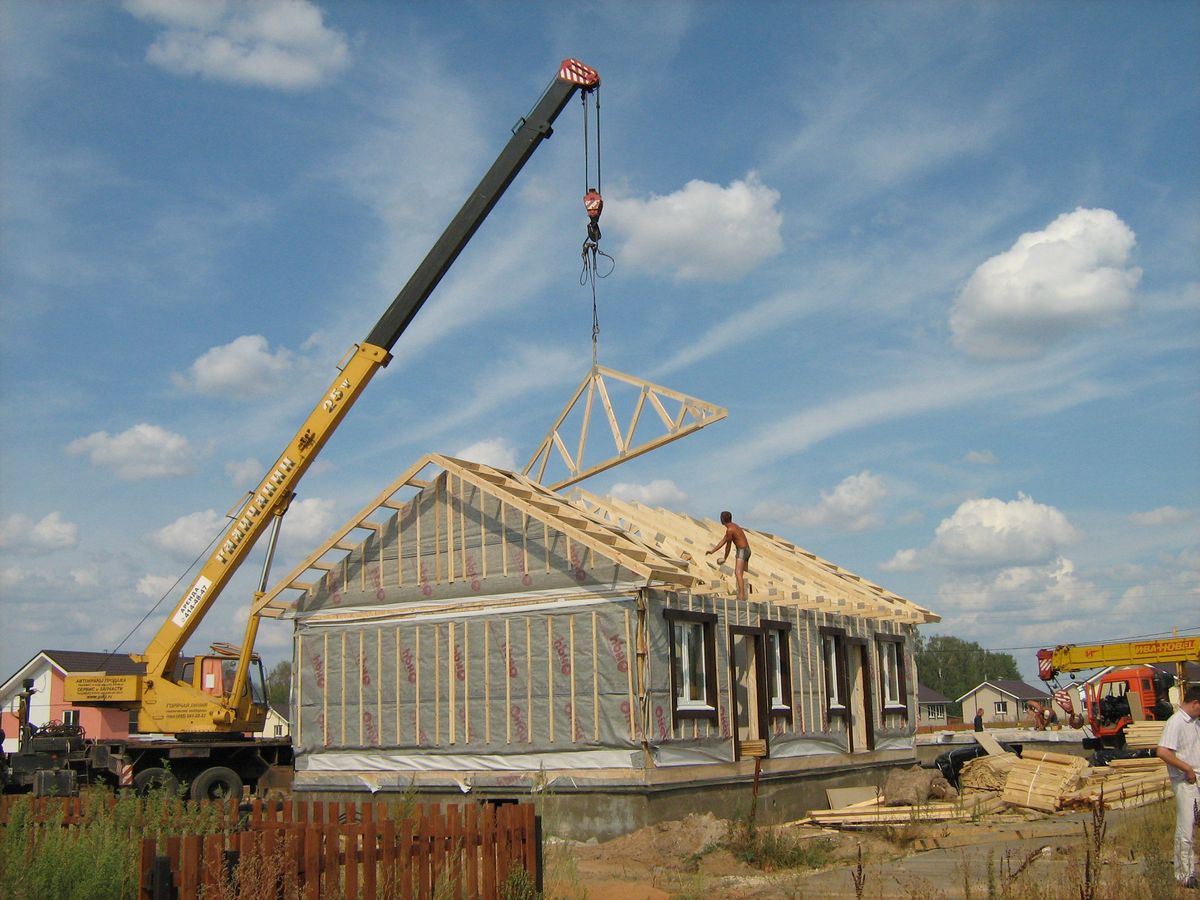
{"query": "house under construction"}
pixel 490 636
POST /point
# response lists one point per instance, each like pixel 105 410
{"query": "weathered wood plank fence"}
pixel 314 849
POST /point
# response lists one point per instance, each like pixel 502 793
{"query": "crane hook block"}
pixel 593 203
pixel 575 72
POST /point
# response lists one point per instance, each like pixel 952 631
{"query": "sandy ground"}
pixel 676 860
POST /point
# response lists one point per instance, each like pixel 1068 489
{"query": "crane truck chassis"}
pixel 209 714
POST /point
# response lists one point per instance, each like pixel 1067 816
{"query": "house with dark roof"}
pixel 932 708
pixel 1003 701
pixel 48 670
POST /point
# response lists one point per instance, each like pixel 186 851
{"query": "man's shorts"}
pixel 743 553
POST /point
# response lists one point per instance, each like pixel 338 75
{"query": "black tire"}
pixel 217 783
pixel 155 779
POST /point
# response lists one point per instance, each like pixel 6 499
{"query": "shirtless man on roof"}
pixel 735 537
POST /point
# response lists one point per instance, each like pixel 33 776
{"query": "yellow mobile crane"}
pixel 211 697
pixel 1132 690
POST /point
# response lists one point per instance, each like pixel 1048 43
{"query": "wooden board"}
pixel 839 798
pixel 988 743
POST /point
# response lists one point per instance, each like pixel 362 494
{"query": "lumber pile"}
pixel 1139 735
pixel 986 773
pixel 1039 780
pixel 873 813
pixel 1123 784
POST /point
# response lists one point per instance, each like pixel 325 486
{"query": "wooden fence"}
pixel 318 849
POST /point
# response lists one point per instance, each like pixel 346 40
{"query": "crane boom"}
pixel 168 705
pixel 1077 657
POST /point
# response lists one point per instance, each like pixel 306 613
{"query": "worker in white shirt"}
pixel 1179 748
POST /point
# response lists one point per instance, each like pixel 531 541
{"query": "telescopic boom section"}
pixel 277 488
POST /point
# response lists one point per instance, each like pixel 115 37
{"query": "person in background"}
pixel 1179 748
pixel 979 720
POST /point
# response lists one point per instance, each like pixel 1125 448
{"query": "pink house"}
pixel 48 670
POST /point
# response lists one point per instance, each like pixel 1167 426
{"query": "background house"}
pixel 277 723
pixel 1002 700
pixel 932 709
pixel 49 669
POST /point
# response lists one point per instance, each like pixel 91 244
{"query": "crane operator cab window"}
pixel 217 674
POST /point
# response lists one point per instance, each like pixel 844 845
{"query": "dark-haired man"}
pixel 736 538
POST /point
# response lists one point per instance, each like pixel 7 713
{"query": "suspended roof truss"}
pixel 679 413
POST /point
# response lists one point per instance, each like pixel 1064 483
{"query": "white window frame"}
pixel 935 712
pixel 70 717
pixel 832 655
pixel 691 648
pixel 1000 708
pixel 893 684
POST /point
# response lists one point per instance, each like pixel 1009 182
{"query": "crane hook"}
pixel 594 204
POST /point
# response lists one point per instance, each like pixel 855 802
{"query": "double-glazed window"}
pixel 70 717
pixel 1001 707
pixel 833 663
pixel 893 690
pixel 779 667
pixel 693 664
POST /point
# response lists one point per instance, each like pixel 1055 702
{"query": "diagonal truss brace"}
pixel 692 415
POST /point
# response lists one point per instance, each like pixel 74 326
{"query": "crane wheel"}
pixel 155 779
pixel 217 783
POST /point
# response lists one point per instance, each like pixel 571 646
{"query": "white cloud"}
pixel 1164 515
pixel 155 587
pixel 51 532
pixel 1070 277
pixel 1024 596
pixel 980 457
pixel 143 451
pixel 991 532
pixel 496 452
pixel 702 231
pixel 659 492
pixel 308 521
pixel 851 506
pixel 902 561
pixel 245 472
pixel 188 535
pixel 245 367
pixel 282 44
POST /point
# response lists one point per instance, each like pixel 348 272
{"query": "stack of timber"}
pixel 874 814
pixel 986 773
pixel 1039 780
pixel 1139 735
pixel 1123 784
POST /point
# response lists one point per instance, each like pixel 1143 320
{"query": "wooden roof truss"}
pixel 679 413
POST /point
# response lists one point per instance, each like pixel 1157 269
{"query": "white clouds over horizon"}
pixel 143 451
pixel 279 44
pixel 1164 515
pixel 1073 276
pixel 703 231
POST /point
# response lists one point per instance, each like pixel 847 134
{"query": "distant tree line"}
pixel 952 666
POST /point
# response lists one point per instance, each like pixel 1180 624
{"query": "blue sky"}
pixel 939 261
